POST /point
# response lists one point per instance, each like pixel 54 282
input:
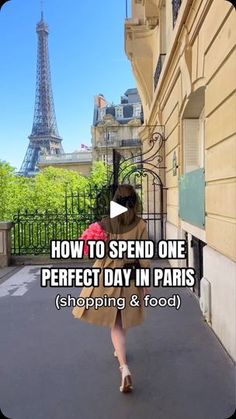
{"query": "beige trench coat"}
pixel 106 316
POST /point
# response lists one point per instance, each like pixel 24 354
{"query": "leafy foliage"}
pixel 40 210
pixel 46 191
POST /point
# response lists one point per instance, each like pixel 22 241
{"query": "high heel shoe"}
pixel 126 381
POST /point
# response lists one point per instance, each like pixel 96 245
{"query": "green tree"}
pixel 7 174
pixel 45 191
pixel 99 174
pixel 51 185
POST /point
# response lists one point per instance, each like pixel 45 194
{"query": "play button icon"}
pixel 107 208
pixel 116 209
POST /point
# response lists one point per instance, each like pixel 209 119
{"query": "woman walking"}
pixel 127 226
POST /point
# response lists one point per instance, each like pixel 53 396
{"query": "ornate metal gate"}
pixel 145 171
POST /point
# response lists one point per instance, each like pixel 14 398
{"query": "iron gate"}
pixel 145 172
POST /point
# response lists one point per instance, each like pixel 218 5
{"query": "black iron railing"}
pixel 175 9
pixel 33 231
pixel 158 69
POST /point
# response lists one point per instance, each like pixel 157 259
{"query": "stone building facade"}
pixel 80 161
pixel 183 56
pixel 116 127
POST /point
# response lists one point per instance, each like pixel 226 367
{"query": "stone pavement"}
pixel 56 367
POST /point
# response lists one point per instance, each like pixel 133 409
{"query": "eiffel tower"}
pixel 44 137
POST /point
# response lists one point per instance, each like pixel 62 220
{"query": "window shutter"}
pixel 191 137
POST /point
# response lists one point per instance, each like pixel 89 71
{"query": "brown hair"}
pixel 125 195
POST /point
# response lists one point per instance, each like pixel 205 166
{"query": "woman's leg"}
pixel 118 337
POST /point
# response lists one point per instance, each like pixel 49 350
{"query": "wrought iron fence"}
pixel 33 231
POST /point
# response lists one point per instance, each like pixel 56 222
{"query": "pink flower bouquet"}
pixel 93 232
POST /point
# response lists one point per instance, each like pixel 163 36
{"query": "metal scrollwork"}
pixel 150 159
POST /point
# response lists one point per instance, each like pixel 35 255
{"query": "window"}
pixel 104 158
pixel 163 36
pixel 110 136
pixel 119 112
pixel 193 135
pixel 175 9
pixel 191 144
pixel 102 113
pixel 137 111
pixel 163 29
pixel 194 132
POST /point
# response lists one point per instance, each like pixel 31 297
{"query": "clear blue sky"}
pixel 86 46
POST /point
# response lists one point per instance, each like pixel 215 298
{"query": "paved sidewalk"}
pixel 56 367
pixel 7 272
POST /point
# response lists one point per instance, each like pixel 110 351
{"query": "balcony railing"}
pixel 82 157
pixel 175 9
pixel 107 144
pixel 132 142
pixel 158 69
